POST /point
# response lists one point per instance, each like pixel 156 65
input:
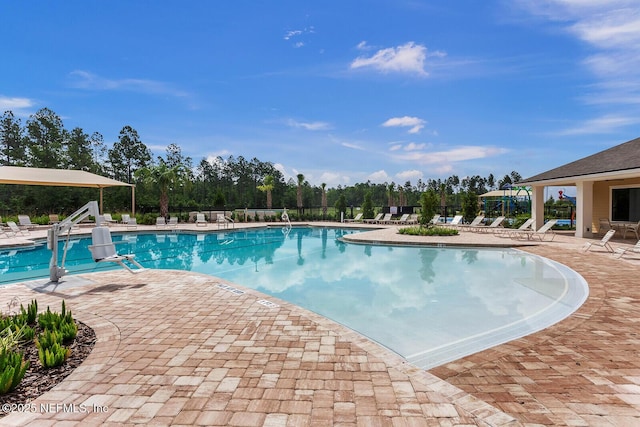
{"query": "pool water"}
pixel 430 305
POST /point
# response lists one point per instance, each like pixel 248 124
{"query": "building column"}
pixel 584 209
pixel 537 205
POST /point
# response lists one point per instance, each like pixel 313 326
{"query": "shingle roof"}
pixel 625 156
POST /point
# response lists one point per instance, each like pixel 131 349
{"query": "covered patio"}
pixel 62 178
pixel 607 186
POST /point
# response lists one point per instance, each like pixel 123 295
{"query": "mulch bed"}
pixel 38 380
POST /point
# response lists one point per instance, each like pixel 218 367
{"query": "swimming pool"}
pixel 430 305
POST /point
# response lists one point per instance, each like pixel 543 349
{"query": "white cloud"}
pixel 332 179
pixel 412 146
pixel 454 154
pixel 7 103
pixel 408 58
pixel 409 175
pixel 600 125
pixel 379 177
pixel 308 125
pixel 85 80
pixel 415 123
pixel 289 34
pixel 352 145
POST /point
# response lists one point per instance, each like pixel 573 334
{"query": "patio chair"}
pixel 173 222
pixel 103 249
pixel 385 219
pixel 132 224
pixel 373 220
pixel 161 222
pixel 508 232
pixel 456 221
pixel 631 227
pixel 25 222
pixel 107 219
pixel 621 251
pixel 413 219
pixel 13 228
pixel 201 220
pixel 491 227
pixel 540 233
pixel 402 220
pixel 435 220
pixel 476 222
pixel 125 218
pixel 358 218
pixel 603 243
pixel 223 220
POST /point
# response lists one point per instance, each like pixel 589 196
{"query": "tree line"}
pixel 171 180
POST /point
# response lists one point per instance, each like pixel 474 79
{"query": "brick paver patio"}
pixel 175 348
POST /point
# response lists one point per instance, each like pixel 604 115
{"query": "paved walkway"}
pixel 179 348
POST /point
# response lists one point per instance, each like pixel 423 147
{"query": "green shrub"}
pixel 52 321
pixel 49 338
pixel 12 370
pixel 53 356
pixel 31 312
pixel 430 231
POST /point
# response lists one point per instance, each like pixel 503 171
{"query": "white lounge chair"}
pixel 621 251
pixel 373 220
pixel 103 249
pixel 603 243
pixel 385 219
pixel 357 218
pixel 125 218
pixel 508 232
pixel 476 222
pixel 435 220
pixel 491 227
pixel 161 222
pixel 413 219
pixel 132 223
pixel 107 219
pixel 402 220
pixel 25 222
pixel 201 220
pixel 13 228
pixel 224 221
pixel 456 221
pixel 540 233
pixel 173 222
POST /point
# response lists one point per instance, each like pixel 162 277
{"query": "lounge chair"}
pixel 603 243
pixel 402 220
pixel 107 219
pixel 539 233
pixel 456 221
pixel 103 249
pixel 491 227
pixel 476 222
pixel 385 219
pixel 413 219
pixel 161 222
pixel 173 222
pixel 435 220
pixel 125 218
pixel 373 220
pixel 357 218
pixel 25 222
pixel 621 251
pixel 508 232
pixel 631 227
pixel 200 220
pixel 13 228
pixel 54 219
pixel 132 224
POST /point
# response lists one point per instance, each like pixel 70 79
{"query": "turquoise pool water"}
pixel 430 305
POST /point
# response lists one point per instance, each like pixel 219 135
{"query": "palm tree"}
pixel 165 178
pixel 299 194
pixel 324 200
pixel 267 186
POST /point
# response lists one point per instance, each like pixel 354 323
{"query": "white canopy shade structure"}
pixel 61 178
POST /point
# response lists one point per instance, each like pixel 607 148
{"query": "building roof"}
pixel 616 161
pixel 55 177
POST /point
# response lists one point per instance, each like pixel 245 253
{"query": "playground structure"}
pixel 509 201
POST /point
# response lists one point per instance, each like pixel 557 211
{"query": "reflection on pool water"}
pixel 430 305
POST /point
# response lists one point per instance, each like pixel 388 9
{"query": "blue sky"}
pixel 340 91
